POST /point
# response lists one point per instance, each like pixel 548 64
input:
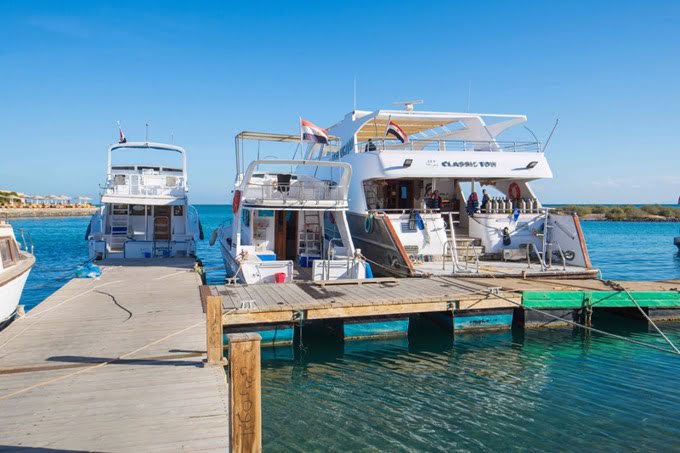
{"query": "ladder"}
pixel 120 216
pixel 309 239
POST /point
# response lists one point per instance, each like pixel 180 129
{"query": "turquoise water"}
pixel 534 391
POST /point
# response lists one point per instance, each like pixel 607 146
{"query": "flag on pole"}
pixel 312 133
pixel 121 135
pixel 397 132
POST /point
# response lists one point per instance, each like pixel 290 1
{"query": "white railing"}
pixel 449 145
pixel 296 192
pixel 147 185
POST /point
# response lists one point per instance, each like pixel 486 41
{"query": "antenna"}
pixel 408 105
pixel 532 133
pixel 355 93
pixel 147 132
pixel 557 121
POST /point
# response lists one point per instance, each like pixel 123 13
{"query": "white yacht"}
pixel 414 198
pixel 288 225
pixel 144 208
pixel 16 263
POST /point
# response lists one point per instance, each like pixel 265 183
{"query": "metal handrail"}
pixel 298 191
pixel 26 243
pixel 449 145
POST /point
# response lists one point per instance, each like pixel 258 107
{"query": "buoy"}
pixel 236 201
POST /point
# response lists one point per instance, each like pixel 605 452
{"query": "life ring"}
pixel 514 191
pixel 236 202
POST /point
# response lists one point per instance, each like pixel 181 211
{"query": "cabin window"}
pixel 138 209
pixel 8 252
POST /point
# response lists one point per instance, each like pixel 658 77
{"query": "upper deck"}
pixel 143 183
pixel 296 188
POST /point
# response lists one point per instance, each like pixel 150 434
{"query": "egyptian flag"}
pixel 397 132
pixel 121 135
pixel 313 133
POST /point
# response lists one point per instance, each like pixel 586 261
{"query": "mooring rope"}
pixel 618 287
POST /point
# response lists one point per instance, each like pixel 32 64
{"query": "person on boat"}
pixel 436 200
pixel 370 146
pixel 485 200
pixel 472 204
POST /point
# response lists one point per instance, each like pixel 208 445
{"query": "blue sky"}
pixel 204 71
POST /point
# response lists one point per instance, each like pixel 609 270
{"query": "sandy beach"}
pixel 14 213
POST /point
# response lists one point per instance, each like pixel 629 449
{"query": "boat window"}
pixel 8 252
pixel 119 180
pixel 178 211
pixel 138 209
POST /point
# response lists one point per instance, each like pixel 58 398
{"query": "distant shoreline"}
pixel 629 213
pixel 15 213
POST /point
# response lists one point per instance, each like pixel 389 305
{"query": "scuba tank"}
pixel 493 205
pixel 523 205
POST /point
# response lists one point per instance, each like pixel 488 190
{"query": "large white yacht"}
pixel 16 262
pixel 144 210
pixel 415 196
pixel 287 225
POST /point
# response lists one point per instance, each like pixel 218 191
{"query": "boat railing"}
pixel 146 185
pixel 297 192
pixel 25 240
pixel 448 145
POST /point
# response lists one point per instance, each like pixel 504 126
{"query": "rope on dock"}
pixel 115 301
pixel 37 315
pixel 99 365
pixel 587 328
pixel 618 287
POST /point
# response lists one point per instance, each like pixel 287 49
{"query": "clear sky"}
pixel 204 71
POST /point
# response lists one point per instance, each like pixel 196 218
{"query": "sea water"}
pixel 538 390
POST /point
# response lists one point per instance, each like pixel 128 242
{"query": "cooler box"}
pixel 306 261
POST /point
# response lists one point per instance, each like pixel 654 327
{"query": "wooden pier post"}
pixel 245 430
pixel 213 322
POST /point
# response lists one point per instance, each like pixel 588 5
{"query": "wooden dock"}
pixel 114 364
pixel 292 302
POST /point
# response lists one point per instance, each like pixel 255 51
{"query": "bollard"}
pixel 213 322
pixel 245 430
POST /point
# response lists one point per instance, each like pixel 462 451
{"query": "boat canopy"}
pixel 431 125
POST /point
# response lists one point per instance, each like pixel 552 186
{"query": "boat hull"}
pixel 10 295
pixel 378 246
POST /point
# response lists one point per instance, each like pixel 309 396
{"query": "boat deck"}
pixel 114 364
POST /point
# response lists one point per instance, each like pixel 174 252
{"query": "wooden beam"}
pixel 213 324
pixel 245 429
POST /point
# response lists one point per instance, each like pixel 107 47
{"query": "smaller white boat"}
pixel 289 225
pixel 16 263
pixel 144 210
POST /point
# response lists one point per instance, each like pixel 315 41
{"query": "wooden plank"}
pixel 356 281
pixel 375 310
pixel 245 432
pixel 213 324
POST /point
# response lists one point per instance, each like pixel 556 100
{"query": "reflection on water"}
pixel 537 390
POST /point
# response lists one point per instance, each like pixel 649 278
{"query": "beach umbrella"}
pixel 52 197
pixel 65 198
pixel 84 198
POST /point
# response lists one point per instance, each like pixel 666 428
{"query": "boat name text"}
pixel 469 163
